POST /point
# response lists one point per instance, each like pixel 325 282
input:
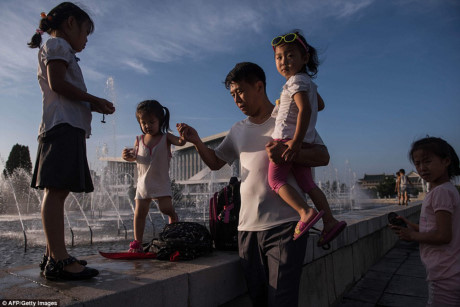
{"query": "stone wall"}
pixel 327 275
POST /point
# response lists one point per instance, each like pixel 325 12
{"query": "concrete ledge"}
pixel 216 279
pixel 207 281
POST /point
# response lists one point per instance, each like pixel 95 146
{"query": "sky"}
pixel 389 71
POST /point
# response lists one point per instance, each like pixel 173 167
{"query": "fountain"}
pixel 70 227
pixel 118 213
pixel 84 215
pixel 111 203
pixel 20 209
pixel 9 182
pixel 115 206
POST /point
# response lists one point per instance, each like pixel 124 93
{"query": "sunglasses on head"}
pixel 288 38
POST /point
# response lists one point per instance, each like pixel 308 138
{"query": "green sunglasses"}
pixel 288 38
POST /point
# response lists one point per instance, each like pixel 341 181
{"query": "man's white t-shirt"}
pixel 261 208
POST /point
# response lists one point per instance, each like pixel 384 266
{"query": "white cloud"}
pixel 16 59
pixel 349 8
pixel 139 67
pixel 152 31
pixel 92 74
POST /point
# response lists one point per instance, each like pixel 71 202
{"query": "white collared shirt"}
pixel 58 109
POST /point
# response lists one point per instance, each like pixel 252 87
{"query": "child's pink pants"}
pixel 278 173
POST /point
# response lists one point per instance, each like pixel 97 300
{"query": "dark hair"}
pixel 402 171
pixel 440 148
pixel 155 108
pixel 311 68
pixel 245 71
pixel 56 17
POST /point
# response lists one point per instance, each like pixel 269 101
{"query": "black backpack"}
pixel 224 211
pixel 182 241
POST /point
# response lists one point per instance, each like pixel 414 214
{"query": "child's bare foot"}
pixel 327 226
pixel 307 214
pixel 327 235
pixel 135 247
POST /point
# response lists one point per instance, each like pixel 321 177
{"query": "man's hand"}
pixel 312 155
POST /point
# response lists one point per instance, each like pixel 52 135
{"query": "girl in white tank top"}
pixel 152 153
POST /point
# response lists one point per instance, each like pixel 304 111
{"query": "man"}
pixel 271 260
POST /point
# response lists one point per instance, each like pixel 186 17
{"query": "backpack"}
pixel 224 211
pixel 182 241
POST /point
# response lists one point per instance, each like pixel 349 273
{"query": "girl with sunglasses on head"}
pixel 296 116
pixel 152 153
pixel 438 231
pixel 61 166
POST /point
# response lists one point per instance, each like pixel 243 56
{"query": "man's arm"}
pixel 207 154
pixel 313 156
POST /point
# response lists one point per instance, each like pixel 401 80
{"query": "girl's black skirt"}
pixel 61 160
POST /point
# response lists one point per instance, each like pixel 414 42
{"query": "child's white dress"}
pixel 153 169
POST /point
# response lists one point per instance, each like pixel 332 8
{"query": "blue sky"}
pixel 389 70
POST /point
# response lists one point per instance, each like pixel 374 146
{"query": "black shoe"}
pixel 42 264
pixel 55 270
pixel 45 260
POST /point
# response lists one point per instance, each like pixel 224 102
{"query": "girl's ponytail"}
pixel 155 108
pixel 45 25
pixel 55 18
pixel 165 125
pixel 313 62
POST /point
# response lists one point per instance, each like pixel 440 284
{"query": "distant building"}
pixel 417 182
pixel 372 181
pixel 118 178
pixel 187 169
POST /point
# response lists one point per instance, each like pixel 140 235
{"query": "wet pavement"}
pixel 398 279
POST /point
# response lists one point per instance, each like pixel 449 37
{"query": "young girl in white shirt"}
pixel 61 165
pixel 297 61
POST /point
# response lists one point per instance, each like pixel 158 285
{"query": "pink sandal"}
pixel 135 247
pixel 302 227
pixel 327 237
pixel 176 219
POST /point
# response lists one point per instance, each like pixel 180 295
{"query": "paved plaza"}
pixel 398 279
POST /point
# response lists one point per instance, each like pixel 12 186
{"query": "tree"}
pixel 335 186
pixel 387 187
pixel 19 158
pixel 17 172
